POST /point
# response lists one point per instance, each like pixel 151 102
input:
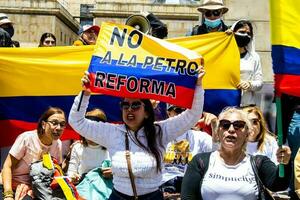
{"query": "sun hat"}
pixel 212 5
pixel 4 19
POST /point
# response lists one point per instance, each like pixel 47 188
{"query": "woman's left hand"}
pixel 201 73
pixel 244 85
pixel 283 155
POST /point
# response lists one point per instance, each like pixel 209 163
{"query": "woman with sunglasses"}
pixel 86 154
pixel 261 141
pixel 250 65
pixel 212 12
pixel 145 139
pixel 229 172
pixel 47 40
pixel 29 147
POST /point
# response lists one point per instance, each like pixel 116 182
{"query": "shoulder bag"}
pixel 263 192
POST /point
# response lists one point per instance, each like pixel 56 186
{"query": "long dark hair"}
pixel 50 111
pixel 44 36
pixel 153 137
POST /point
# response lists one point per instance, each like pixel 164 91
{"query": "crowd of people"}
pixel 191 155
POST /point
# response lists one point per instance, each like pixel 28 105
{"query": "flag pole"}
pixel 279 131
pixel 80 101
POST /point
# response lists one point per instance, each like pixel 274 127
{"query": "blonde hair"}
pixel 244 117
pixel 96 112
pixel 262 136
pixel 97 115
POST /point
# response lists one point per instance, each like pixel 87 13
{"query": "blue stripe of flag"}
pixel 286 60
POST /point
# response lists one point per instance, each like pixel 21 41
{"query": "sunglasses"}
pixel 136 105
pixel 55 123
pixel 237 125
pixel 215 13
pixel 255 121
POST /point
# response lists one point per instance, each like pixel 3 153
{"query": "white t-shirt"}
pixel 229 182
pixel 83 159
pixel 269 149
pixel 195 141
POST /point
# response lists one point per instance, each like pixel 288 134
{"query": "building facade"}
pixel 32 18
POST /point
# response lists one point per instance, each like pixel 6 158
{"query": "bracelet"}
pixel 7 194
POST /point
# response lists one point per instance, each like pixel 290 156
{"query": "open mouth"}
pixel 230 138
pixel 130 117
pixel 55 134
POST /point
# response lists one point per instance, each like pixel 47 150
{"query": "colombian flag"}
pixel 285 17
pixel 34 78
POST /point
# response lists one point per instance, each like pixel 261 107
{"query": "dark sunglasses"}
pixel 237 125
pixel 255 121
pixel 136 105
pixel 215 13
pixel 55 123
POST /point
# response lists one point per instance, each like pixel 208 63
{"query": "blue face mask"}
pixel 212 23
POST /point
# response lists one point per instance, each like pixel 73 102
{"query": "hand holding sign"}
pixel 85 80
pixel 201 73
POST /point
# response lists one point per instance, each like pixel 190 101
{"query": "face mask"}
pixel 242 39
pixel 212 23
pixel 10 30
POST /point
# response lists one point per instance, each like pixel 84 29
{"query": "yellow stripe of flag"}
pixel 285 15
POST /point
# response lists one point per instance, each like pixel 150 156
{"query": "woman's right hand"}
pixel 201 73
pixel 85 81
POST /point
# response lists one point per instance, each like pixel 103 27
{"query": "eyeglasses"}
pixel 255 121
pixel 55 123
pixel 215 13
pixel 237 125
pixel 136 105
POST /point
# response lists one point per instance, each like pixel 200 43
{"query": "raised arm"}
pixel 98 132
